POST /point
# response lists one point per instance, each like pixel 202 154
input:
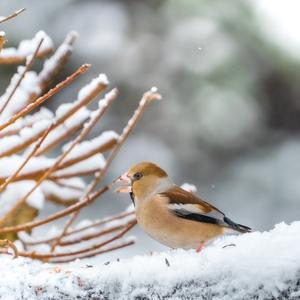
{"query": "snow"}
pixel 16 191
pixel 189 187
pixel 260 265
pixel 76 182
pixel 89 88
pixel 25 135
pixel 64 49
pixel 28 47
pixel 28 121
pixel 64 193
pixel 11 163
pixel 103 103
pixel 28 87
pixel 92 163
pixel 154 89
pixel 91 145
pixel 51 63
pixel 77 119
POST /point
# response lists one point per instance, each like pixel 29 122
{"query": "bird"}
pixel 171 215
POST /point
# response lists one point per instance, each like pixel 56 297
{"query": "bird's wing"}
pixel 186 205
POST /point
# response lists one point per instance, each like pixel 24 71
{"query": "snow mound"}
pixel 258 266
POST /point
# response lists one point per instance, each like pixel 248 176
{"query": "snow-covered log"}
pixel 258 266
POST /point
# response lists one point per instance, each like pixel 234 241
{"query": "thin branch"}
pixel 91 236
pixel 100 149
pixel 27 159
pixel 83 228
pixel 119 245
pixel 73 174
pixel 62 213
pixel 16 13
pixel 94 253
pixel 47 256
pixel 31 154
pixel 46 96
pixel 22 75
pixel 59 139
pixel 26 122
pixel 147 97
pixel 54 64
pixel 9 244
pixel 93 92
pixel 86 129
pixel 94 235
pixel 18 55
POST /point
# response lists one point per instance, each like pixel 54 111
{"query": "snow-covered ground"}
pixel 260 265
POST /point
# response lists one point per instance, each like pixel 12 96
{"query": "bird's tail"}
pixel 234 227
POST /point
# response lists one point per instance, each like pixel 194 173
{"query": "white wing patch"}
pixel 186 208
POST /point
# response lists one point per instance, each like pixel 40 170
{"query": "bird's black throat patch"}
pixel 132 197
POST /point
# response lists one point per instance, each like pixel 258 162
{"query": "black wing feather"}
pixel 196 217
pixel 226 222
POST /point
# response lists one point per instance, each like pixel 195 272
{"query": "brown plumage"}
pixel 171 215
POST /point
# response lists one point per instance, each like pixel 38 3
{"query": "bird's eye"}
pixel 137 176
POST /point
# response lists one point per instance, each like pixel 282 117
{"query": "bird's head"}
pixel 144 179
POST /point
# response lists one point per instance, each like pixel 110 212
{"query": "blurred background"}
pixel 229 71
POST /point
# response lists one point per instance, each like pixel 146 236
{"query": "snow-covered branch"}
pixel 29 176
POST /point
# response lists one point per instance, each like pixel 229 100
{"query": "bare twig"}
pixel 47 256
pixel 57 61
pixel 51 127
pixel 83 228
pixel 67 133
pixel 62 213
pixel 108 236
pixel 46 96
pixel 94 253
pixel 147 97
pixel 16 13
pixel 9 244
pixel 91 236
pixel 30 155
pixel 21 77
pixel 86 129
pixel 98 88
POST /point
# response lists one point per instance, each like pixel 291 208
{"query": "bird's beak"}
pixel 125 184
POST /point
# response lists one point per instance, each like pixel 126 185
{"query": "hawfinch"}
pixel 170 214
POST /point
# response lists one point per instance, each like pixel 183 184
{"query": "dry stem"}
pixel 62 213
pixel 47 256
pixel 9 244
pixel 21 77
pixel 16 13
pixel 86 129
pixel 94 253
pixel 77 230
pixel 45 97
pixel 147 97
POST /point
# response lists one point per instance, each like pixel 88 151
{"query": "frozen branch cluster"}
pixel 29 176
pixel 260 266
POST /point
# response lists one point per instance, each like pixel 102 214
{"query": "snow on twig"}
pixel 29 177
